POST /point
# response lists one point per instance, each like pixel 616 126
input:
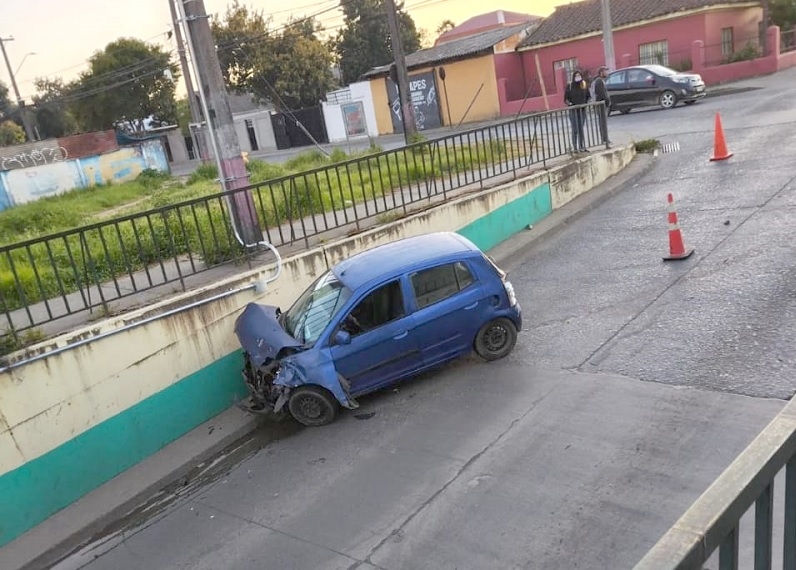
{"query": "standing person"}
pixel 601 95
pixel 577 93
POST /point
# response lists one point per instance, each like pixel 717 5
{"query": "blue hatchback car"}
pixel 376 318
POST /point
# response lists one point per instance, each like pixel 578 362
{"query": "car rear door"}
pixel 383 345
pixel 448 301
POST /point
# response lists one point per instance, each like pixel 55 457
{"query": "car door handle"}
pixel 401 335
pixel 471 307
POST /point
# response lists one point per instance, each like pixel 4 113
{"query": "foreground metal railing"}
pixel 52 277
pixel 714 521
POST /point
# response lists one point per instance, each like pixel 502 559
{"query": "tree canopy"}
pixel 289 66
pixel 53 117
pixel 365 41
pixel 128 80
pixel 783 14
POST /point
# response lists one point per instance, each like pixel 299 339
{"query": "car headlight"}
pixel 510 293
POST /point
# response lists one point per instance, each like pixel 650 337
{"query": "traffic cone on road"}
pixel 720 150
pixel 676 246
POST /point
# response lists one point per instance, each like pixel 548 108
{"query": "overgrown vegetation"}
pixel 749 52
pixel 102 251
pixel 647 145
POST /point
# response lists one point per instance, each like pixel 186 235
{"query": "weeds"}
pixel 647 145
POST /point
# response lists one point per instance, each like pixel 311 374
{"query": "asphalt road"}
pixel 634 384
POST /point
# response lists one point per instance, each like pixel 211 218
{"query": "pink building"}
pixel 699 35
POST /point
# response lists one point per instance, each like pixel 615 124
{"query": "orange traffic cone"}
pixel 676 247
pixel 720 151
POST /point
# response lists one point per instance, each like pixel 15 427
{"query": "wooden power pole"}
pixel 404 95
pixel 221 127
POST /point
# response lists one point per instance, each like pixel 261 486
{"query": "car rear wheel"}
pixel 668 99
pixel 312 406
pixel 496 339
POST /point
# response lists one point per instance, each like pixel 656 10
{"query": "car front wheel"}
pixel 668 99
pixel 312 406
pixel 496 339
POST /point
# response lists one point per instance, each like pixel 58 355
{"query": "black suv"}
pixel 645 85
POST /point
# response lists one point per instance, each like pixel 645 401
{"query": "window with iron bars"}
pixel 727 42
pixel 570 65
pixel 654 53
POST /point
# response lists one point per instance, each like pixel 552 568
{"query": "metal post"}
pixel 764 511
pixel 219 120
pixel 608 35
pixel 196 113
pixel 405 97
pixel 21 104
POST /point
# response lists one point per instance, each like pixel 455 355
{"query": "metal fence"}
pixel 48 278
pixel 714 522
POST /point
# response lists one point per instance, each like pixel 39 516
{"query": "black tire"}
pixel 668 99
pixel 496 339
pixel 312 406
pixel 625 111
pixel 689 102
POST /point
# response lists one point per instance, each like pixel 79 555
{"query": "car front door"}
pixel 382 347
pixel 448 301
pixel 642 86
pixel 616 85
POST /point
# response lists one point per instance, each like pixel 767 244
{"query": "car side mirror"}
pixel 342 338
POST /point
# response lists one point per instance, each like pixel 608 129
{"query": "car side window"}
pixel 638 76
pixel 380 307
pixel 438 283
pixel 616 78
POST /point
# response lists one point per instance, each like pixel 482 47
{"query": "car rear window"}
pixel 438 283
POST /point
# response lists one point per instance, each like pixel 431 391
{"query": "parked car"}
pixel 374 319
pixel 645 85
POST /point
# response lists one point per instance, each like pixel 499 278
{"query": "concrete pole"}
pixel 23 112
pixel 218 114
pixel 764 47
pixel 196 114
pixel 407 109
pixel 608 35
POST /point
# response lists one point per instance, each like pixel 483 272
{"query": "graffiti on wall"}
pixel 35 154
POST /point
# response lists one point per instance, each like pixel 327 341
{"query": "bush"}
pixel 207 171
pixel 748 53
pixel 152 179
pixel 647 145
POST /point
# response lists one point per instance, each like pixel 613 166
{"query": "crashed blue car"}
pixel 374 319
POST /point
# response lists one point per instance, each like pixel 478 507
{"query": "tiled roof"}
pixel 579 18
pixel 454 49
pixel 484 22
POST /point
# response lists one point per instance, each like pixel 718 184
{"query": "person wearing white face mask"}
pixel 577 94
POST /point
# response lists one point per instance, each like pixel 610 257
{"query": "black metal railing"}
pixel 48 278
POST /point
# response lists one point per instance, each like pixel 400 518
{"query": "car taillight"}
pixel 510 292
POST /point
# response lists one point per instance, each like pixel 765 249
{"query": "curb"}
pixel 75 526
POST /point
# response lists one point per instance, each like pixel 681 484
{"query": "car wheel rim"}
pixel 667 99
pixel 310 408
pixel 495 338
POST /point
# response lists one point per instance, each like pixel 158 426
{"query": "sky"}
pixel 63 35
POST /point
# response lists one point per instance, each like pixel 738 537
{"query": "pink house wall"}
pixel 508 66
pixel 745 24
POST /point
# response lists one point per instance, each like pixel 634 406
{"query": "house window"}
pixel 655 53
pixel 727 41
pixel 570 65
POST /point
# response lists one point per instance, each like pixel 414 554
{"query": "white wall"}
pixel 333 115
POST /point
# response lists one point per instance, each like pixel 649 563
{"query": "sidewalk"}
pixel 179 467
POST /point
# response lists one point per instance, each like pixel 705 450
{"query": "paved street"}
pixel 633 385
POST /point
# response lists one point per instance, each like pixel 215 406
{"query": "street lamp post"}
pixel 22 111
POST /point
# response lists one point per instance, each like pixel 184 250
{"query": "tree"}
pixel 290 67
pixel 53 117
pixel 445 26
pixel 128 80
pixel 11 134
pixel 5 102
pixel 364 42
pixel 783 14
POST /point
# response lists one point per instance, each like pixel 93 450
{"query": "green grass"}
pixel 62 265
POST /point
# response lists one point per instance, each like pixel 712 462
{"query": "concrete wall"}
pixel 23 185
pixel 333 114
pixel 73 420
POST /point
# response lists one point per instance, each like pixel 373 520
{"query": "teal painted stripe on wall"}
pixel 502 223
pixel 47 484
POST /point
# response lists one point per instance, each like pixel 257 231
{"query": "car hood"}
pixel 260 333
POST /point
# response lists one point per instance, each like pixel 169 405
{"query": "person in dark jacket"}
pixel 601 95
pixel 577 93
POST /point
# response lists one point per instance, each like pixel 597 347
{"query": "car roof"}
pixel 396 257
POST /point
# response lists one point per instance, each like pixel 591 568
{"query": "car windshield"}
pixel 661 70
pixel 314 310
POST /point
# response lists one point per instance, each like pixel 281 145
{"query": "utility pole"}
pixel 196 113
pixel 218 117
pixel 404 95
pixel 764 27
pixel 20 103
pixel 608 35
